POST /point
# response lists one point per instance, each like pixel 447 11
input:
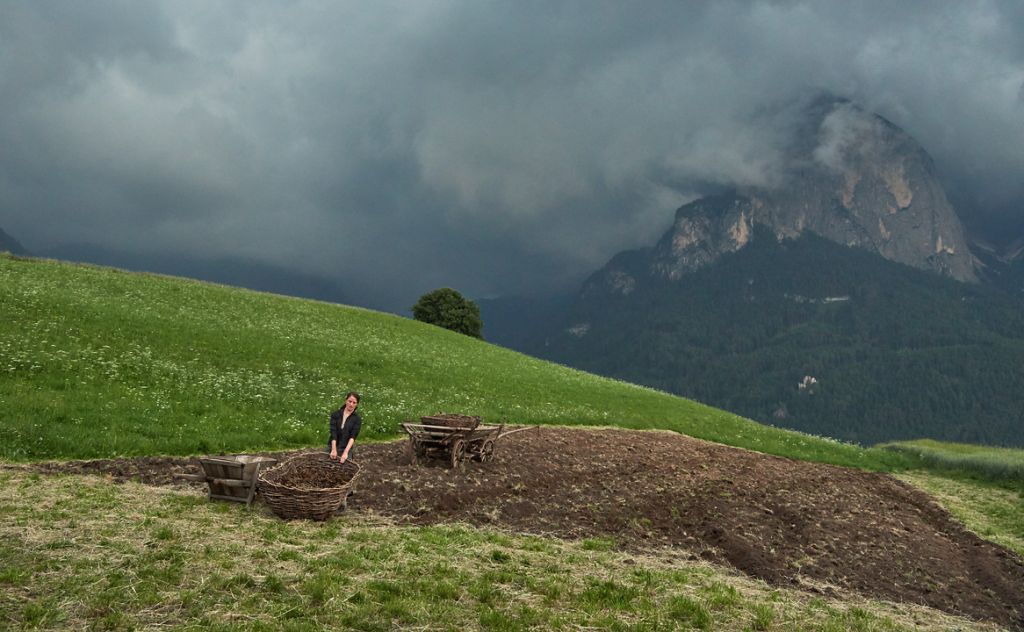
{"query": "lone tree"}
pixel 447 308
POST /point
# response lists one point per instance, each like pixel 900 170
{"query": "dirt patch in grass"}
pixel 822 528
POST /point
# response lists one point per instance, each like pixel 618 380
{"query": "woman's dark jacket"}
pixel 350 431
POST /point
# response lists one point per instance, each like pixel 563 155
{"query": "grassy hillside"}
pixel 996 464
pixel 982 486
pixel 98 362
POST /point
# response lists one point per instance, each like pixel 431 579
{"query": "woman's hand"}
pixel 334 454
pixel 344 457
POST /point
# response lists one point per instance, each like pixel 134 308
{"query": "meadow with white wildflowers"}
pixel 97 362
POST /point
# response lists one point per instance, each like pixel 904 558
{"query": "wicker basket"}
pixel 451 420
pixel 309 485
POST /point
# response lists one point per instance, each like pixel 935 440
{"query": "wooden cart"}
pixel 231 477
pixel 445 438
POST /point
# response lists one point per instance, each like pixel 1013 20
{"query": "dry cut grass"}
pixel 994 512
pixel 81 552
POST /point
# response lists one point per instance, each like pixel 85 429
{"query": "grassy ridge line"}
pixel 997 464
pixel 982 486
pixel 993 511
pixel 97 362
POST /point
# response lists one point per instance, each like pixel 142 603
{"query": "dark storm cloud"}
pixel 494 147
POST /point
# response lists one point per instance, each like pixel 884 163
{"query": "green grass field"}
pixel 96 362
pixel 997 464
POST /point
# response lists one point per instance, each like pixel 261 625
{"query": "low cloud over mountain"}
pixel 396 147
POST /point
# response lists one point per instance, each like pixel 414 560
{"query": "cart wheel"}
pixel 458 454
pixel 487 451
pixel 411 451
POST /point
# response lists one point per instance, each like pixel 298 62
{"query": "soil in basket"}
pixel 314 478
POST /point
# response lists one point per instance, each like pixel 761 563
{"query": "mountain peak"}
pixel 855 179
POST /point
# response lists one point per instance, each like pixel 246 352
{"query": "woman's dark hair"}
pixel 353 394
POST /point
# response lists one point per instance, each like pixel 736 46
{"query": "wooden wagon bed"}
pixel 443 438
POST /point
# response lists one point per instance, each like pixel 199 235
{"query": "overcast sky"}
pixel 494 147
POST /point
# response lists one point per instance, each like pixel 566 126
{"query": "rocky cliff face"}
pixel 854 178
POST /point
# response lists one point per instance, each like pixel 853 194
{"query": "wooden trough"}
pixel 231 477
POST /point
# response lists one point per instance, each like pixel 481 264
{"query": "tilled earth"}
pixel 817 527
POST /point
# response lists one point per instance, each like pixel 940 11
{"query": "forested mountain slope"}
pixel 815 336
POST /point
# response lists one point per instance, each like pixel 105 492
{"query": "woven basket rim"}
pixel 291 462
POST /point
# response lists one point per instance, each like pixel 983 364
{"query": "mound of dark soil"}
pixel 792 523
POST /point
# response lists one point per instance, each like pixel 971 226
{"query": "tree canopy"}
pixel 447 308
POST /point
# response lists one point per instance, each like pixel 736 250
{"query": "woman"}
pixel 345 423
